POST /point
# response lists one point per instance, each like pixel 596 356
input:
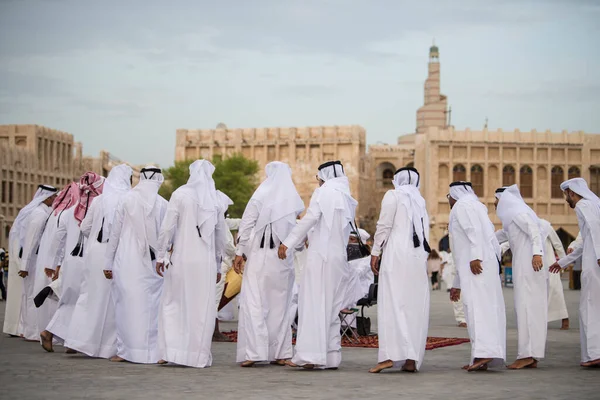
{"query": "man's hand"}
pixel 569 250
pixel 375 264
pixel 599 263
pixel 218 277
pixel 455 294
pixel 49 272
pixel 537 263
pixel 23 274
pixel 160 268
pixel 237 264
pixel 476 267
pixel 282 252
pixel 107 274
pixel 555 268
pixel 56 273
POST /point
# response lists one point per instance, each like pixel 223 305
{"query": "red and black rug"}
pixel 373 341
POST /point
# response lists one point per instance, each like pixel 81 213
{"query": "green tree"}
pixel 236 176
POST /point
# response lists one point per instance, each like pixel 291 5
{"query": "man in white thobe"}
pixel 477 253
pixel 33 228
pixel 361 275
pixel 522 228
pixel 587 208
pixel 264 331
pixel 92 330
pixel 194 227
pixel 321 294
pixel 130 262
pixel 448 276
pixel 557 307
pixel 403 294
pixel 12 315
pixel 47 305
pixel 70 249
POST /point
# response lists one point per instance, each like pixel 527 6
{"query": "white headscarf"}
pixel 16 231
pixel 406 181
pixel 462 191
pixel 511 204
pixel 279 199
pixel 580 186
pixel 151 178
pixel 116 185
pixel 364 235
pixel 201 187
pixel 329 200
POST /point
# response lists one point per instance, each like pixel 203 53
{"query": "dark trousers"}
pixel 2 287
pixel 576 280
pixel 434 277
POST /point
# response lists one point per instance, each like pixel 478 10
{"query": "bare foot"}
pixel 162 362
pixel 528 362
pixel 409 366
pixel 219 337
pixel 289 363
pixel 381 366
pixel 247 364
pixel 565 324
pixel 280 362
pixel 70 351
pixel 116 359
pixel 47 341
pixel 591 364
pixel 462 325
pixel 480 364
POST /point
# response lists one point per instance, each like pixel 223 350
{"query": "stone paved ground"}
pixel 27 372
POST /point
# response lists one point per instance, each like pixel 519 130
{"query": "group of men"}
pixel 121 273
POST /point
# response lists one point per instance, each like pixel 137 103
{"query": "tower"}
pixel 433 111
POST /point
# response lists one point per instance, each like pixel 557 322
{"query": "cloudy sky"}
pixel 123 75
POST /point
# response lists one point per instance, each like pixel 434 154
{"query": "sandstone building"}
pixel 33 154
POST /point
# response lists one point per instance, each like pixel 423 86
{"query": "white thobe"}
pixel 299 263
pixel 403 292
pixel 70 275
pixel 530 287
pixel 136 287
pixel 14 284
pixel 322 290
pixel 34 227
pixel 588 216
pixel 360 279
pixel 557 307
pixel 449 275
pixel 45 260
pixel 187 310
pixel 92 330
pixel 226 265
pixel 481 294
pixel 264 331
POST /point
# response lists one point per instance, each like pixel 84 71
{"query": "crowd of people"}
pixel 117 272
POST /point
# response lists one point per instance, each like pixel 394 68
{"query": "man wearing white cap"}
pixel 587 208
pixel 403 295
pixel 477 252
pixel 522 228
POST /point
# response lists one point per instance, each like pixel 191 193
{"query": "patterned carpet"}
pixel 373 341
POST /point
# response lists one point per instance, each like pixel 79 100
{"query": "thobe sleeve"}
pixel 229 251
pixel 385 222
pixel 86 224
pixel 115 235
pixel 577 242
pixel 469 224
pixel 556 243
pixel 248 222
pixel 571 258
pixel 310 219
pixel 456 283
pixel 532 229
pixel 220 239
pixel 167 229
pixel 59 241
pixel 592 222
pixel 502 236
pixel 34 227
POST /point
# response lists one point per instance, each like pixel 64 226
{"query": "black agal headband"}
pixel 332 164
pixel 409 169
pixel 153 170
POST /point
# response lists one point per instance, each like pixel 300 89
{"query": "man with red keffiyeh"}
pixel 67 249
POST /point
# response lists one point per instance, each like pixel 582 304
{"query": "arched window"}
pixel 558 176
pixel 595 179
pixel 459 173
pixel 526 187
pixel 508 176
pixel 385 174
pixel 387 177
pixel 477 179
pixel 574 172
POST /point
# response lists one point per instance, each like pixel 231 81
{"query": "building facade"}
pixel 31 155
